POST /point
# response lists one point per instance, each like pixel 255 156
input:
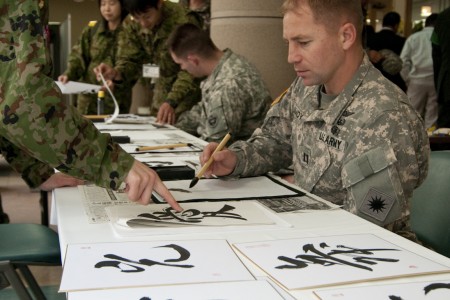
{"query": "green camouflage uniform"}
pixel 96 45
pixel 204 12
pixel 34 120
pixel 33 171
pixel 138 46
pixel 234 99
pixel 366 151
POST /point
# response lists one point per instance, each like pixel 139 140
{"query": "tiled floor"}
pixel 22 206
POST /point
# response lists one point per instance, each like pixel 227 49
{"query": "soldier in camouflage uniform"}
pixel 202 8
pixel 352 135
pixel 36 123
pixel 143 42
pixel 234 96
pixel 97 44
pixel 35 173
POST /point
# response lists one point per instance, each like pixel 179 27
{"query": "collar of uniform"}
pixel 337 107
pixel 211 78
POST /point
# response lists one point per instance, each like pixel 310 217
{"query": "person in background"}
pixel 384 48
pixel 202 8
pixel 352 136
pixel 441 65
pixel 97 44
pixel 418 72
pixel 37 123
pixel 234 96
pixel 142 45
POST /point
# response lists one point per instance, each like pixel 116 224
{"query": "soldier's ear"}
pixel 194 59
pixel 347 35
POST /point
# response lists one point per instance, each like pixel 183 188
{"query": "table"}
pixel 73 228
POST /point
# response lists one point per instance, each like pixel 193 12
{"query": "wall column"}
pixel 254 29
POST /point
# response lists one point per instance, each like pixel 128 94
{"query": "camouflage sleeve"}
pixel 130 53
pixel 34 117
pixel 190 120
pixel 273 139
pixel 386 166
pixel 79 57
pixel 225 111
pixel 33 171
pixel 183 86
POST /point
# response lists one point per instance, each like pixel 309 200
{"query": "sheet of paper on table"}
pixel 128 127
pixel 331 260
pixel 199 217
pixel 422 290
pixel 134 119
pixel 95 199
pixel 260 187
pixel 73 87
pixel 138 264
pixel 239 290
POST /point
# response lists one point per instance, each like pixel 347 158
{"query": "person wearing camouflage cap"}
pixel 37 124
pixel 97 44
pixel 142 46
pixel 234 97
pixel 352 136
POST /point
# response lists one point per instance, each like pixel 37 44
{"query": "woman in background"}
pixel 96 45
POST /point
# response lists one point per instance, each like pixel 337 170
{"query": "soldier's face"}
pixel 149 19
pixel 313 50
pixel 110 10
pixel 189 64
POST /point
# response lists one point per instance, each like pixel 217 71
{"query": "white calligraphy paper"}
pixel 158 219
pixel 240 290
pixel 429 290
pixel 138 264
pixel 73 87
pixel 329 260
pixel 221 189
pixel 133 119
pixel 128 127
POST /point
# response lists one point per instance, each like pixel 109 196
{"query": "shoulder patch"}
pixel 92 23
pixel 278 99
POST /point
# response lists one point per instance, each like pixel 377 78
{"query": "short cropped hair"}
pixel 391 19
pixel 136 7
pixel 326 11
pixel 188 38
pixel 431 19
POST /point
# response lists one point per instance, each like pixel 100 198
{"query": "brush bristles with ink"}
pixel 205 167
pixel 194 182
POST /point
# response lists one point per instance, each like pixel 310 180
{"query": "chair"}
pixel 430 206
pixel 23 245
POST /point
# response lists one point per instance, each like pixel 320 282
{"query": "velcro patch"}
pixel 377 204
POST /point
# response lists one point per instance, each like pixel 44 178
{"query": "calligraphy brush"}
pixel 205 167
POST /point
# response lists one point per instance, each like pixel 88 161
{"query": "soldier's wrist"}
pixel 117 79
pixel 172 103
